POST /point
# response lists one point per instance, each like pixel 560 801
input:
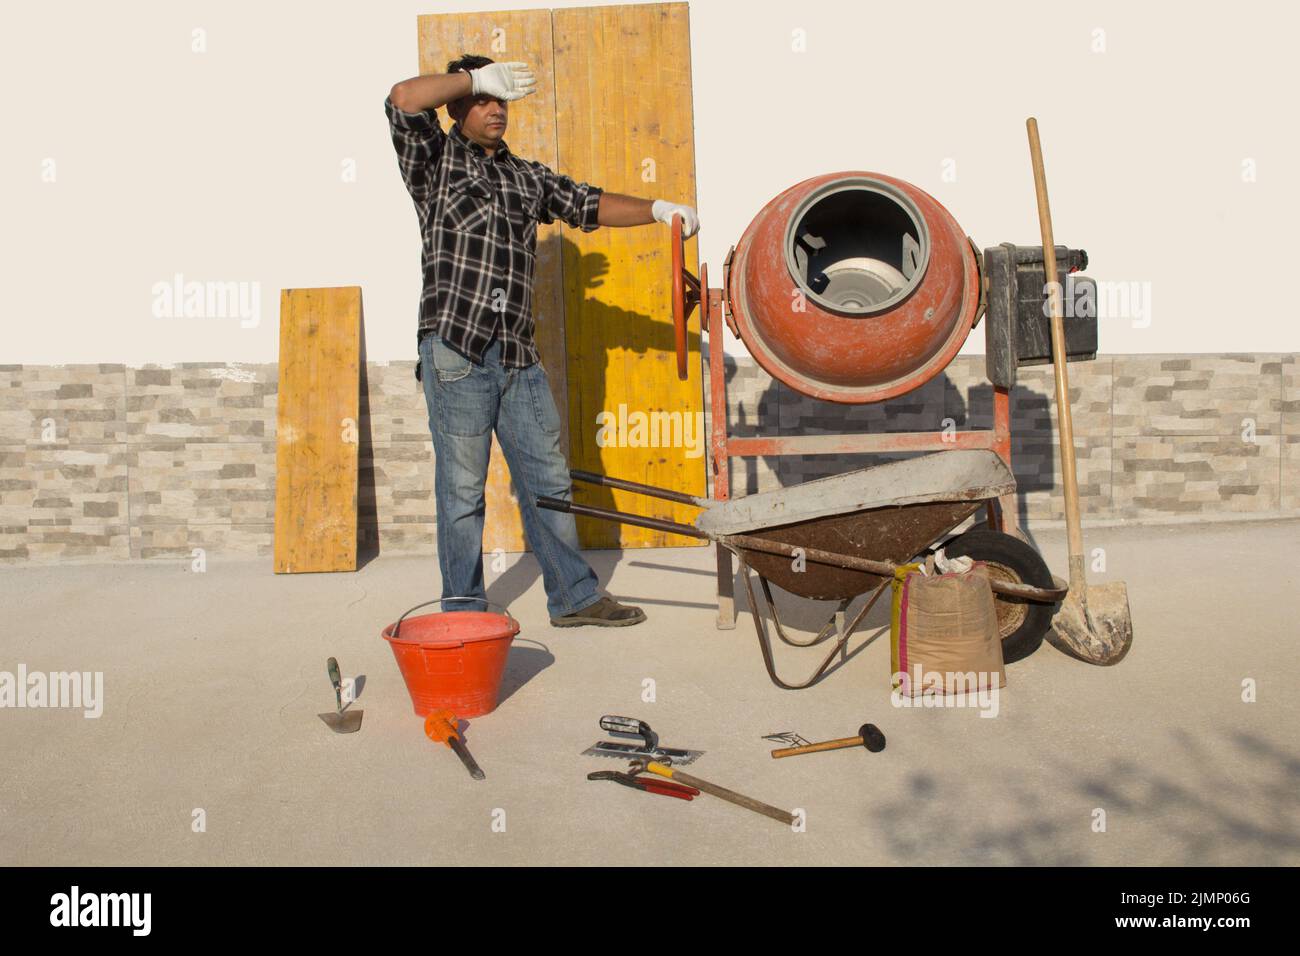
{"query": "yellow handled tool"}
pixel 739 799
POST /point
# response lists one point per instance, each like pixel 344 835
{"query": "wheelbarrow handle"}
pixel 591 478
pixel 882 568
pixel 755 543
pixel 622 517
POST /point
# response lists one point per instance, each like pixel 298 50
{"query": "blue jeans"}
pixel 466 403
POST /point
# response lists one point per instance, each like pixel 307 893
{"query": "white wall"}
pixel 226 165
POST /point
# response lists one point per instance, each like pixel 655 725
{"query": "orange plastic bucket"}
pixel 454 659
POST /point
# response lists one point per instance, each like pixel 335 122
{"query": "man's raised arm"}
pixel 421 93
pixel 502 81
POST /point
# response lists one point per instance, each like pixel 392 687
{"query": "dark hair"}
pixel 467 62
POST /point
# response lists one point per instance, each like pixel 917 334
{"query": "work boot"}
pixel 604 613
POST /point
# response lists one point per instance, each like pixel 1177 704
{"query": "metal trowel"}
pixel 649 746
pixel 340 722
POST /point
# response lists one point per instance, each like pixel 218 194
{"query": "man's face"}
pixel 482 119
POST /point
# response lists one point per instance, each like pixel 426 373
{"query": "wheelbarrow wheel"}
pixel 1021 624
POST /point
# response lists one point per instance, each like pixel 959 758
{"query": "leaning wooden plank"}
pixel 625 122
pixel 316 430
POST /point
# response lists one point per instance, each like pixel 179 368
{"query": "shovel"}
pixel 340 722
pixel 1092 623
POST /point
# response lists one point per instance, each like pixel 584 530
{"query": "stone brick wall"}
pixel 1157 436
pixel 108 462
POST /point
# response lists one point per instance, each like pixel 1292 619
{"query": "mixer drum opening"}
pixel 857 246
pixel 853 287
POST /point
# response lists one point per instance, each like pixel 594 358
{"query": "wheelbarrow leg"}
pixel 1001 514
pixel 992 515
pixel 726 591
pixel 834 626
pixel 1004 516
pixel 765 645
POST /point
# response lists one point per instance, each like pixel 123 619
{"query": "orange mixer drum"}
pixel 853 287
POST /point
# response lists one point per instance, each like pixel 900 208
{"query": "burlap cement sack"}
pixel 944 633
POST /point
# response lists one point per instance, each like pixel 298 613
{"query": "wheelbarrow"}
pixel 837 538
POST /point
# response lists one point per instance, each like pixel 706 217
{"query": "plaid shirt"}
pixel 478 219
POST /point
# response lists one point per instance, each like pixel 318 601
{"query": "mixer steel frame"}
pixel 1000 512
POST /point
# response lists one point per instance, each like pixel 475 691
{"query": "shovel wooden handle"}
pixel 1065 422
pixel 1092 623
pixel 722 793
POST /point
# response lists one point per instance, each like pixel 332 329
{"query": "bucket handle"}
pixel 398 626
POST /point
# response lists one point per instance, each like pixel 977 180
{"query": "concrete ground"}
pixel 213 682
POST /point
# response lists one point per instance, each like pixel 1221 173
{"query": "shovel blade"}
pixel 1096 627
pixel 348 722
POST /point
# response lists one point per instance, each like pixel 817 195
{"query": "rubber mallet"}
pixel 869 736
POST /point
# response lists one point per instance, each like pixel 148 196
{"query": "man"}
pixel 479 205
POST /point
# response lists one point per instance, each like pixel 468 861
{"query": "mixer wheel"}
pixel 1021 624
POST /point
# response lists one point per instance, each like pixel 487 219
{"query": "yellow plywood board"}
pixel 317 419
pixel 514 35
pixel 625 122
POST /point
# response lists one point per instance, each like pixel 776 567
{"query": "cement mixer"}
pixel 857 287
pixel 852 287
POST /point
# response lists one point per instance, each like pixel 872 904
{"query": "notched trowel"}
pixel 649 746
pixel 340 722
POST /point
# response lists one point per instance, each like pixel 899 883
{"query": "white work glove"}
pixel 663 212
pixel 503 81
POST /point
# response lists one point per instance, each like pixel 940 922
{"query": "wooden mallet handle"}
pixel 869 736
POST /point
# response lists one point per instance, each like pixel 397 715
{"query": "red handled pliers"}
pixel 650 785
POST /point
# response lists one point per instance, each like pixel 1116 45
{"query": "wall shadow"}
pixel 779 410
pixel 626 330
pixel 1033 450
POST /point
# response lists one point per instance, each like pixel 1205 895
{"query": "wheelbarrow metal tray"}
pixel 886 512
pixel 961 475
